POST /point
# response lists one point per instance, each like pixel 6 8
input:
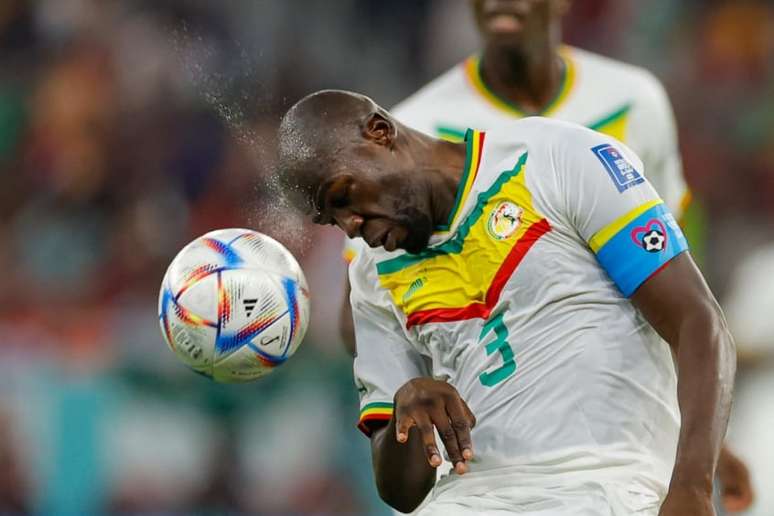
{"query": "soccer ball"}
pixel 234 304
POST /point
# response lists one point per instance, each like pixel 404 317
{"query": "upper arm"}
pixel 678 292
pixel 610 203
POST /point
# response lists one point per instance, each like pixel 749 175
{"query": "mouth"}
pixel 504 23
pixel 506 18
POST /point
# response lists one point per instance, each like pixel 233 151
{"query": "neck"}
pixel 528 76
pixel 442 172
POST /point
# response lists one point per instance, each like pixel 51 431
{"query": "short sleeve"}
pixel 615 210
pixel 385 359
pixel 656 120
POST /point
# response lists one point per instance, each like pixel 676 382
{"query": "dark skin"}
pixel 364 185
pixel 520 63
pixel 405 453
pixel 520 59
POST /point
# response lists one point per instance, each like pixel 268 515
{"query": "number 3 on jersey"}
pixel 497 326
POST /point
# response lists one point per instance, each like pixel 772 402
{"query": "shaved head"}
pixel 351 164
pixel 318 129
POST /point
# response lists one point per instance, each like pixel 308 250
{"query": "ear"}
pixel 380 129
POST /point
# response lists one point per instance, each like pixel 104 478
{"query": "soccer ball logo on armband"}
pixel 653 241
pixel 651 237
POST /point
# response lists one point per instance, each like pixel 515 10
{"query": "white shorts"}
pixel 507 493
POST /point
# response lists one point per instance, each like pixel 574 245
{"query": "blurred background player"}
pixel 525 70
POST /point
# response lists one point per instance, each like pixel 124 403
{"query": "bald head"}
pixel 315 117
pixel 353 165
pixel 317 131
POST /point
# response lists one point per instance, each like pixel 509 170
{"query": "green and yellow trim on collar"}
pixel 472 68
pixel 450 134
pixel 474 141
pixel 373 414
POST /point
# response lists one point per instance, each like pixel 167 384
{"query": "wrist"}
pixel 688 479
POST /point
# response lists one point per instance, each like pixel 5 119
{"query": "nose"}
pixel 349 223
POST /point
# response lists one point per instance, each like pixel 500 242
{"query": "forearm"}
pixel 403 474
pixel 706 363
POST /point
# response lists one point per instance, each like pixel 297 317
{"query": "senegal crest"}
pixel 504 220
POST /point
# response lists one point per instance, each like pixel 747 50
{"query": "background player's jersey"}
pixel 618 99
pixel 520 302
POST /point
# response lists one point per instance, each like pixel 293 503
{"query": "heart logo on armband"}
pixel 652 236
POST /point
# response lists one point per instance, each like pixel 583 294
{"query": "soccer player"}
pixel 511 298
pixel 524 70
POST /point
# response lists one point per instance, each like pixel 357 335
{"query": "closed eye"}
pixel 331 196
pixel 339 199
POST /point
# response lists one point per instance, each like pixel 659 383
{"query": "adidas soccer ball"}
pixel 234 304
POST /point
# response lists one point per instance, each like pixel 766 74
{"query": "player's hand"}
pixel 686 501
pixel 427 403
pixel 735 486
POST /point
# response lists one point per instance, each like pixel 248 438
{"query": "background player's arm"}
pixel 346 326
pixel 679 305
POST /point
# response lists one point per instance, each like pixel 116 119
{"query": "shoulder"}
pixel 427 101
pixel 537 133
pixel 553 144
pixel 607 73
pixel 540 144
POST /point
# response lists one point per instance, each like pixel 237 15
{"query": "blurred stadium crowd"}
pixel 129 127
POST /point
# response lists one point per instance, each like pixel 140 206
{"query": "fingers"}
pixel 428 405
pixel 737 496
pixel 461 423
pixel 736 502
pixel 449 438
pixel 402 426
pixel 736 487
pixel 425 427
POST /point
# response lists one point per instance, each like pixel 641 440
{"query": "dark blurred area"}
pixel 127 128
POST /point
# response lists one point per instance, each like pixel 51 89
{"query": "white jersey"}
pixel 521 303
pixel 615 98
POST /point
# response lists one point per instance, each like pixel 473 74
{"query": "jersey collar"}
pixel 474 141
pixel 472 67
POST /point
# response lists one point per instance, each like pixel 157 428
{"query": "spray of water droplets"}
pixel 228 90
